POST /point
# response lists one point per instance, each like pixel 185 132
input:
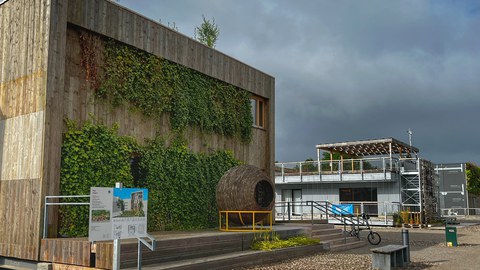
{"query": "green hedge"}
pixel 181 183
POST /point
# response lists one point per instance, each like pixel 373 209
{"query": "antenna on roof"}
pixel 410 133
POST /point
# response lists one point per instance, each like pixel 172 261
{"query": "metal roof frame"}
pixel 375 147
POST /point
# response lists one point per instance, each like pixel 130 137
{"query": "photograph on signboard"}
pixel 128 203
pixel 100 216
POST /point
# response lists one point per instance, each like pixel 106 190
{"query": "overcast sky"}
pixel 354 70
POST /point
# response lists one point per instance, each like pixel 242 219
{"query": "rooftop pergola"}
pixel 376 147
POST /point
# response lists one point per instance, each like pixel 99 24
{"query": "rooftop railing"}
pixel 340 168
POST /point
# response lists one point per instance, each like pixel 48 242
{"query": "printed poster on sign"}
pixel 129 216
pixel 117 213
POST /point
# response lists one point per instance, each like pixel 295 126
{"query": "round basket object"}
pixel 245 188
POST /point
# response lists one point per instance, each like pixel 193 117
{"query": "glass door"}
pixel 297 201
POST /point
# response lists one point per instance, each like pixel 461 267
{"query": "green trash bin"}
pixel 451 236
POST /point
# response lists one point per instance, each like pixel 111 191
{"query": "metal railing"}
pixel 381 212
pixel 47 203
pixel 324 207
pixel 362 166
pixel 453 212
pixel 257 224
pixel 152 246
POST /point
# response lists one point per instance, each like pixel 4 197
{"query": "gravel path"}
pixel 428 251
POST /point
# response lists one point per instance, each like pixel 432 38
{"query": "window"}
pixel 358 194
pixel 365 195
pixel 258 111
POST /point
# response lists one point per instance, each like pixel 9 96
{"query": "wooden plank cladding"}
pixel 22 57
pixel 22 95
pixel 104 255
pixel 24 37
pixel 59 266
pixel 66 251
pixel 112 20
pixel 19 218
pixel 22 143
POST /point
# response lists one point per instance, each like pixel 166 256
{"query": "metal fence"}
pixel 452 212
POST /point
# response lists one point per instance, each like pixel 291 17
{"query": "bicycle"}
pixel 372 237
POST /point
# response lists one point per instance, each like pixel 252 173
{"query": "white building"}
pixel 379 177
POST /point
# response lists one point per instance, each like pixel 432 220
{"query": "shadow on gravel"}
pixel 468 245
pixel 419 239
pixel 422 265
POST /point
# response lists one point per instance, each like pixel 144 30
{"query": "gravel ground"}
pixel 428 251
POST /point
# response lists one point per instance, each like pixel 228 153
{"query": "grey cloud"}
pixel 350 70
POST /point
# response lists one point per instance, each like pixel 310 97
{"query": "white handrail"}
pixel 151 246
pixel 45 209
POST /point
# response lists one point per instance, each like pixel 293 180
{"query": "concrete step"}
pixel 329 236
pixel 322 226
pixel 319 233
pixel 7 267
pixel 299 222
pixel 237 259
pixel 348 246
pixel 341 240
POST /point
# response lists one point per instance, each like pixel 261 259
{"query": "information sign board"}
pixel 342 209
pixel 117 213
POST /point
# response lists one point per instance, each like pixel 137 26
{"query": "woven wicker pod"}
pixel 245 188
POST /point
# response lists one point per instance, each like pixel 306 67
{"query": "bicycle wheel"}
pixel 374 238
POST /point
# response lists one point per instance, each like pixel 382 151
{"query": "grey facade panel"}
pixel 452 185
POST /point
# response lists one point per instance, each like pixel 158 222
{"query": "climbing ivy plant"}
pixel 92 156
pixel 181 183
pixel 155 86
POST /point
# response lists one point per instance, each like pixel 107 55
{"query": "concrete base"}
pixel 12 263
pixel 389 257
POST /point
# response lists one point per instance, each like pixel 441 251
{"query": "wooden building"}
pixel 42 82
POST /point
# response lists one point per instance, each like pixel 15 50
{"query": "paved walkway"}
pixel 428 251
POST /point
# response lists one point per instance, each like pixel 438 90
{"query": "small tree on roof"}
pixel 207 33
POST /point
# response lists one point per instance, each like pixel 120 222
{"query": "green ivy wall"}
pixel 181 183
pixel 148 96
pixel 158 110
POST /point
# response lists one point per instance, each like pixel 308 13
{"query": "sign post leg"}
pixel 116 243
